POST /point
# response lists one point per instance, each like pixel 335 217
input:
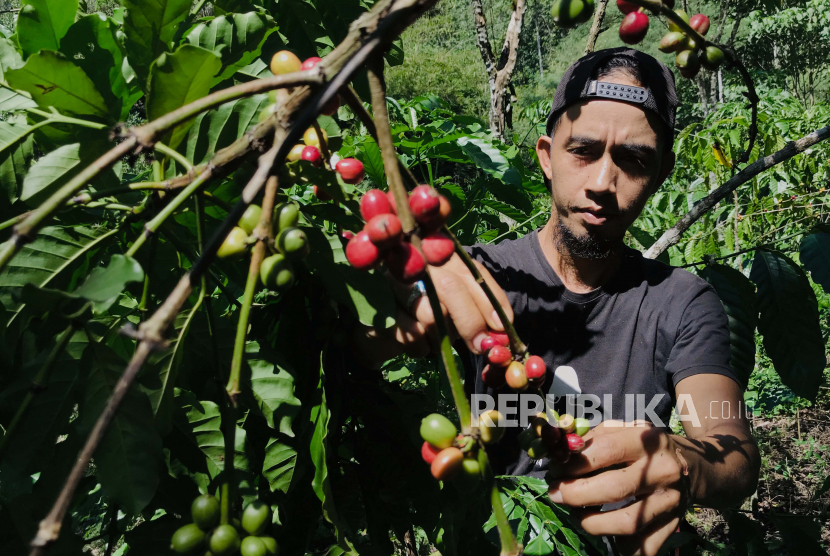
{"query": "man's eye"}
pixel 579 151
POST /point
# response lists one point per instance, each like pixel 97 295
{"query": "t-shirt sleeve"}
pixel 702 344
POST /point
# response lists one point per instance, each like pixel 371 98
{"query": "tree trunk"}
pixel 596 26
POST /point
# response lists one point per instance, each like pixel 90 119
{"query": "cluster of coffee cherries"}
pixel 690 56
pixel 205 536
pixel 454 457
pixel 502 368
pixel 351 170
pixel 382 238
pixel 634 26
pixel 568 13
pixel 554 436
pixel 291 243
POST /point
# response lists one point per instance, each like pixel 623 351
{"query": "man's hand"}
pixel 468 312
pixel 646 465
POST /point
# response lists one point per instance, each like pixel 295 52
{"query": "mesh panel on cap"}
pixel 658 80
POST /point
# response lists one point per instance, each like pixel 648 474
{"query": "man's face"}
pixel 604 161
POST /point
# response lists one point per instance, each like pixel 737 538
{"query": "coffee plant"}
pixel 198 211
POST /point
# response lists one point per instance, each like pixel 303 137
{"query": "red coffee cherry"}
pixel 700 23
pixel 405 263
pixel 627 7
pixel 575 443
pixel 384 230
pixel 501 338
pixel 441 217
pixel 361 252
pixel 488 343
pixel 310 63
pixel 515 376
pixel 438 248
pixel 312 154
pixel 535 369
pixel 428 452
pixel 320 193
pixel 351 170
pixel 347 234
pixel 447 464
pixel 493 376
pixel 374 202
pixel 425 203
pixel 499 356
pixel 634 28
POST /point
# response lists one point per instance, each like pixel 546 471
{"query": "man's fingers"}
pixel 632 518
pixel 604 449
pixel 422 309
pixel 483 302
pixel 456 295
pixel 649 541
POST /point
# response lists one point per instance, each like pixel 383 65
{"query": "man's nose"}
pixel 603 180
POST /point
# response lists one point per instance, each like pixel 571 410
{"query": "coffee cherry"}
pixel 700 23
pixel 439 219
pixel 309 63
pixel 634 28
pixel 539 423
pixel 271 547
pixel 526 437
pixel 293 243
pixel 428 452
pixel 286 215
pixel 373 203
pixel 537 449
pixel 627 7
pixel 581 426
pixel 320 193
pixel 252 546
pixel 424 202
pixel 234 245
pixel 205 511
pixel 500 337
pixel 438 248
pixel 250 218
pixel 312 154
pixel 689 63
pixel 438 430
pixel 712 58
pixel 673 26
pixel 310 137
pixel 384 230
pixel 535 369
pixel 689 44
pixel 276 273
pixel 567 423
pixel 567 13
pixel 493 376
pixel 499 356
pixel 284 62
pixel 491 427
pixel 672 42
pixel 351 170
pixel 266 113
pixel 296 153
pixel 361 252
pixel 391 198
pixel 256 517
pixel 447 464
pixel 405 263
pixel 347 234
pixel 515 376
pixel 187 539
pixel 487 343
pixel 575 443
pixel 224 541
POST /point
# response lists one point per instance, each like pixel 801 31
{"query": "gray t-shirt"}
pixel 649 327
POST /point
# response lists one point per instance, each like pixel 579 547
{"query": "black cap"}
pixel 658 93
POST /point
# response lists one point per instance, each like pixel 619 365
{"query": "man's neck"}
pixel 577 274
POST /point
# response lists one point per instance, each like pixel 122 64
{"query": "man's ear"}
pixel 543 154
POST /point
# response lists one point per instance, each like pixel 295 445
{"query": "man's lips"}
pixel 598 216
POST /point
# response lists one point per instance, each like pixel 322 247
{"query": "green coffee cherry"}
pixel 271 546
pixel 537 449
pixel 286 215
pixel 581 426
pixel 527 437
pixel 567 13
pixel 256 517
pixel 205 511
pixel 293 243
pixel 224 541
pixel 673 27
pixel 277 273
pixel 712 58
pixel 187 539
pixel 253 546
pixel 250 218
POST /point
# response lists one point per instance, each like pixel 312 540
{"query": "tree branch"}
pixel 672 236
pixel 596 26
pixel 482 40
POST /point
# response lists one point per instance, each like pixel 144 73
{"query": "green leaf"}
pixel 150 28
pixel 179 79
pixel 507 210
pixel 93 45
pixel 55 249
pixel 237 38
pixel 130 457
pixel 746 533
pixel 15 158
pixel 42 24
pixel 201 422
pixel 647 240
pixel 815 256
pixel 369 154
pixel 279 464
pixel 367 294
pixel 54 81
pixel 11 100
pixel 54 170
pixel 105 284
pixel 789 321
pixel 272 384
pixel 737 294
pixel 216 129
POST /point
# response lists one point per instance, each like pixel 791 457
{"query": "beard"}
pixel 588 247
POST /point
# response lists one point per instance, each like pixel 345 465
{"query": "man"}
pixel 607 322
